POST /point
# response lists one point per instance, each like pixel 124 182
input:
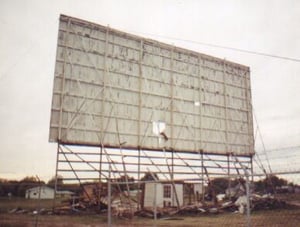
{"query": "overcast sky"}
pixel 28 37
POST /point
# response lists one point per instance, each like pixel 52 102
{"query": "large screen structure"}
pixel 115 89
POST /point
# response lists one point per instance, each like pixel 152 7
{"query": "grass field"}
pixel 286 218
pixel 28 204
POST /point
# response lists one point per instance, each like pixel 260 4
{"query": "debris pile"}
pixel 20 210
pixel 125 204
pixel 268 202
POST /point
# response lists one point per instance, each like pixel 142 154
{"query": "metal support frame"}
pixel 81 165
pixel 140 161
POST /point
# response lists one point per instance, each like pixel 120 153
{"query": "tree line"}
pixel 18 188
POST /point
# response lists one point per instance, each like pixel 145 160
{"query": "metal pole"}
pixel 100 162
pixel 109 198
pixel 56 169
pixel 248 198
pixel 100 172
pixel 228 170
pixel 172 180
pixel 202 174
pixel 172 169
pixel 155 208
pixel 252 176
pixel 139 184
pixel 225 105
pixel 39 203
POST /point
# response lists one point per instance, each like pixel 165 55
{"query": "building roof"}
pixel 37 188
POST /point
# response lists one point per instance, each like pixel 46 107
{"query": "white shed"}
pixel 46 193
pixel 162 194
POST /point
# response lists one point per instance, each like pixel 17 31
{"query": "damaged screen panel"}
pixel 115 89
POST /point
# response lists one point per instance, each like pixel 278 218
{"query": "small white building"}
pixel 46 193
pixel 162 194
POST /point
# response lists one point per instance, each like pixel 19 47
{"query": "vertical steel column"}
pixel 56 170
pixel 248 197
pixel 100 163
pixel 139 123
pixel 100 172
pixel 172 179
pixel 172 100
pixel 225 106
pixel 202 173
pixel 228 171
pixel 140 93
pixel 200 100
pixel 109 197
pixel 172 169
pixel 104 86
pixel 251 164
pixel 39 204
pixel 200 121
pixel 139 178
pixel 155 204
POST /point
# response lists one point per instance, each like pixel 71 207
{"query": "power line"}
pixel 224 47
pixel 262 141
pixel 17 61
pixel 26 52
pixel 284 148
pixel 279 173
pixel 173 38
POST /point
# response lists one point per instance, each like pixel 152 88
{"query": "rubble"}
pixel 147 213
pixel 124 207
pixel 124 204
pixel 267 202
pixel 192 209
pixel 17 210
pixel 241 203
